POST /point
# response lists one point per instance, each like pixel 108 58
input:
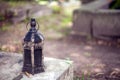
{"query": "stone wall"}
pixel 82 22
pixel 97 22
pixel 106 24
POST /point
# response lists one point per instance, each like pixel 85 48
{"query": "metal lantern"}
pixel 33 45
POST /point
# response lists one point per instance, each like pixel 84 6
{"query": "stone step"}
pixel 55 69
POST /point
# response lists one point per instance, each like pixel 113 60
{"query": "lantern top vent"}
pixel 33 33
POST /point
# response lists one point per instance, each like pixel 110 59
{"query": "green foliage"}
pixel 116 4
pixel 4 28
pixel 83 77
pixel 67 20
pixel 56 25
pixel 56 9
pixel 2 17
pixel 16 4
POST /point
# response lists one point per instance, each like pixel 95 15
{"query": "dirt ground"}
pixel 94 59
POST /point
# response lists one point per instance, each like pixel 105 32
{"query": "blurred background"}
pixel 84 31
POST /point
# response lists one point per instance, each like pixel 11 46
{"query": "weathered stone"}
pixel 106 24
pixel 56 69
pixel 28 11
pixel 95 5
pixel 82 22
pixel 95 20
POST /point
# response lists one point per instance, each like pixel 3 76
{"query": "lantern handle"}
pixel 29 24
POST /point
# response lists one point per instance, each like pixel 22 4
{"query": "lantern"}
pixel 33 46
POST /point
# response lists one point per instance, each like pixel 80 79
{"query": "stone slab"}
pixel 95 5
pixel 55 69
pixel 94 20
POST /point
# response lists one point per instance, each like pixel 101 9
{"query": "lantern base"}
pixel 55 69
pixel 38 70
pixel 33 70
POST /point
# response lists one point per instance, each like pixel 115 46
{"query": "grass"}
pixel 5 27
pixel 56 25
pixel 15 4
pixel 76 78
pixel 83 77
pixel 42 2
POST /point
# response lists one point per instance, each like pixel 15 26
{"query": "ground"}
pixel 93 59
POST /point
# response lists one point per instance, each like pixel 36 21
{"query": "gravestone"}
pixel 96 20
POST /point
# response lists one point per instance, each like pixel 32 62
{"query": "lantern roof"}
pixel 33 33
